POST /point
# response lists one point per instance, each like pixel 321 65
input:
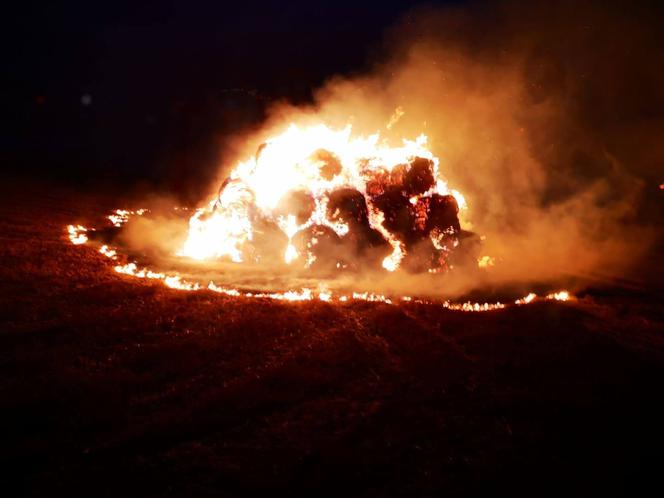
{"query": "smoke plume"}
pixel 547 118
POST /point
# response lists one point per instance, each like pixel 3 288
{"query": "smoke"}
pixel 547 118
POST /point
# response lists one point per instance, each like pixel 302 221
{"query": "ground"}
pixel 112 386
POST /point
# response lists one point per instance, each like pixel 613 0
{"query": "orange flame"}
pixel 77 234
pixel 291 162
pixel 121 216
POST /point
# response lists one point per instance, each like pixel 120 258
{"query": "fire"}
pixel 77 234
pixel 398 113
pixel 473 307
pixel 121 216
pixel 485 261
pixel 108 252
pixel 311 185
pixel 562 295
pixel 527 299
pixel 559 296
pixel 175 281
pixel 316 181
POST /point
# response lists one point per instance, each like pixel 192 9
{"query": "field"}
pixel 113 386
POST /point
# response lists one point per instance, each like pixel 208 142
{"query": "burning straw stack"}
pixel 424 224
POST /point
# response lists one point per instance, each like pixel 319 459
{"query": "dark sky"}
pixel 145 88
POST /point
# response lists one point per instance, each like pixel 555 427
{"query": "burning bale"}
pixel 296 203
pixel 326 200
pixel 322 248
pixel 442 213
pixel 348 206
pixel 426 223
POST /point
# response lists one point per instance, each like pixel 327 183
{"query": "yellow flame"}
pixel 222 290
pixel 396 116
pixel 473 307
pixel 562 295
pixel 121 216
pixel 527 299
pixel 77 234
pixel 291 162
pixel 461 200
pixel 559 296
pixel 291 254
pixel 485 261
pixel 108 252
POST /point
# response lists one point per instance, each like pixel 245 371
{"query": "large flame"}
pixel 316 161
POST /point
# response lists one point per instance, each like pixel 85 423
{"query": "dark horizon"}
pixel 141 90
pixel 149 93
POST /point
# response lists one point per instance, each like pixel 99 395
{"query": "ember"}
pixel 77 234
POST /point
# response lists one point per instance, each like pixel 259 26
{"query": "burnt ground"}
pixel 111 386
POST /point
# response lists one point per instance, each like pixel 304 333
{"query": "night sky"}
pixel 148 91
pixel 142 89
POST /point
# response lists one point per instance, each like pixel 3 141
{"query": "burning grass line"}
pixel 77 235
pixel 174 281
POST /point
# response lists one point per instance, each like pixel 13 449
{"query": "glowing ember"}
pixel 77 234
pixel 473 306
pixel 222 290
pixel 109 253
pixel 526 300
pixel 319 184
pixel 121 216
pixel 460 199
pixel 486 261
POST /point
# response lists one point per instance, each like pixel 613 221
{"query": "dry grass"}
pixel 113 387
